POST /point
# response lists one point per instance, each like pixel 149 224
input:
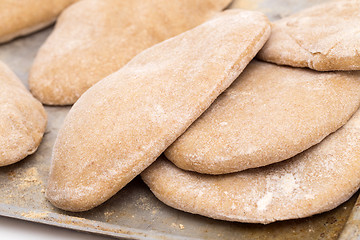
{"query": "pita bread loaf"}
pixel 19 18
pixel 22 119
pixel 124 122
pixel 325 37
pixel 93 39
pixel 269 114
pixel 315 181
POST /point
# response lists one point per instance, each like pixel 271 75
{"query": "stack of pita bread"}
pixel 243 139
pixel 285 140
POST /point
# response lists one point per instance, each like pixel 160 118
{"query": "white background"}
pixel 14 229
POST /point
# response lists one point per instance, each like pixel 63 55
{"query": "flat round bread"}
pixel 124 122
pixel 325 37
pixel 317 180
pixel 22 119
pixel 269 114
pixel 93 39
pixel 19 18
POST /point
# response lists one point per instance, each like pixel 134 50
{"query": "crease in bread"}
pixel 324 37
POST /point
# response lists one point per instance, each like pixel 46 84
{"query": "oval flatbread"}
pixel 93 39
pixel 325 37
pixel 124 122
pixel 19 18
pixel 312 182
pixel 269 114
pixel 22 119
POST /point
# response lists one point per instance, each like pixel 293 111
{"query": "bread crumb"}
pixel 29 178
pixel 35 215
pixel 108 214
pixel 180 226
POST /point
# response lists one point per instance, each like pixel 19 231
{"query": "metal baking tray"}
pixel 134 213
